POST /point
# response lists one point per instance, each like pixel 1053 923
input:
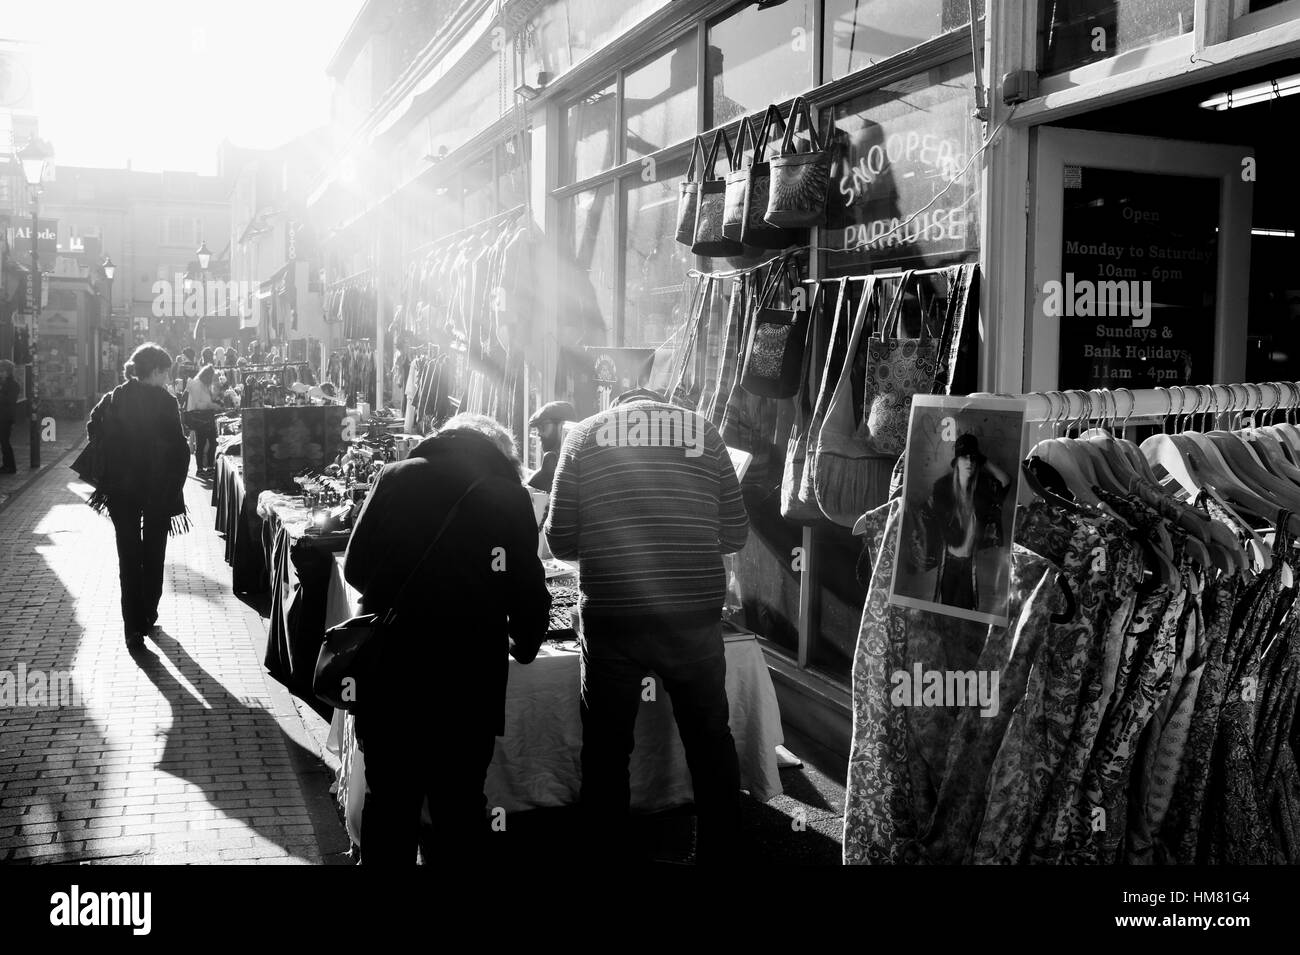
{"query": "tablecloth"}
pixel 237 519
pixel 537 760
pixel 300 567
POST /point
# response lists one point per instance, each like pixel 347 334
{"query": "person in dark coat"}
pixel 431 700
pixel 962 517
pixel 140 459
pixel 8 412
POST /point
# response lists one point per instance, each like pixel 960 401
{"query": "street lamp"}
pixel 33 158
pixel 204 256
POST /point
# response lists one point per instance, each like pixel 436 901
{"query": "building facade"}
pixel 1053 145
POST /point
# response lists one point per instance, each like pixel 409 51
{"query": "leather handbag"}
pixel 737 185
pixel 346 653
pixel 775 354
pixel 848 478
pixel 688 196
pixel 709 207
pixel 897 369
pixel 756 231
pixel 800 181
pixel 797 501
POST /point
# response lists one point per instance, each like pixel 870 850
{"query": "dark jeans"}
pixel 141 549
pixel 205 438
pixel 6 449
pixel 957 584
pixel 403 767
pixel 688 657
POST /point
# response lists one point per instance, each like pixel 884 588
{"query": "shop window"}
pixel 468 110
pixel 654 262
pixel 592 137
pixel 1076 32
pixel 860 33
pixel 595 243
pixel 760 54
pixel 566 32
pixel 898 148
pixel 479 188
pixel 659 100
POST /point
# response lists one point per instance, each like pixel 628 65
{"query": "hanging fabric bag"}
pixel 775 355
pixel 684 385
pixel 800 181
pixel 737 187
pixel 897 369
pixel 837 354
pixel 798 506
pixel 688 197
pixel 756 231
pixel 709 239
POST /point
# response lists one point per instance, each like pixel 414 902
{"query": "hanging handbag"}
pixel 348 648
pixel 688 196
pixel 800 181
pixel 836 355
pixel 679 392
pixel 756 231
pixel 752 422
pixel 848 480
pixel 737 185
pixel 797 506
pixel 709 207
pixel 897 369
pixel 776 346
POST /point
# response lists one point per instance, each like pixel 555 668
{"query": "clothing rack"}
pixel 354 277
pixel 1121 405
pixel 479 226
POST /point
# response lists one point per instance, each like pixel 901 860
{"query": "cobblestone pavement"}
pixel 67 435
pixel 176 755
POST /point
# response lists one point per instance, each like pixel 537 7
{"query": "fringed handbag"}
pixel 837 344
pixel 775 355
pixel 709 239
pixel 797 501
pixel 800 181
pixel 688 197
pixel 680 392
pixel 848 479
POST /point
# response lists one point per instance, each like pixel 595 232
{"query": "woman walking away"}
pixel 140 462
pixel 201 407
pixel 8 410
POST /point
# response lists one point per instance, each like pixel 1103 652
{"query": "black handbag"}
pixel 737 189
pixel 343 658
pixel 755 230
pixel 800 181
pixel 688 197
pixel 709 208
pixel 774 358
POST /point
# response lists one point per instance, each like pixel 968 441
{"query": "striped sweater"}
pixel 645 498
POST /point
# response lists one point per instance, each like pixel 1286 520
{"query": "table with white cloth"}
pixel 536 763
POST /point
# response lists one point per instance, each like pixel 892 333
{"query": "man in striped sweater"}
pixel 646 499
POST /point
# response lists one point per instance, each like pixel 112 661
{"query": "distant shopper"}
pixel 186 367
pixel 479 593
pixel 201 406
pixel 8 412
pixel 548 421
pixel 646 499
pixel 207 357
pixel 142 459
pixel 232 356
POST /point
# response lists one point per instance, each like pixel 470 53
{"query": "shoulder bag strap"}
pixel 889 324
pixel 797 109
pixel 719 139
pixel 761 143
pixel 746 130
pixel 697 150
pixel 451 514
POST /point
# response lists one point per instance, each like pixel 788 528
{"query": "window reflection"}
pixel 756 56
pixel 592 141
pixel 595 245
pixel 859 33
pixel 659 100
pixel 655 263
pixel 1075 32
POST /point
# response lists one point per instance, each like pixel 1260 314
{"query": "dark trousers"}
pixel 141 549
pixel 403 768
pixel 6 449
pixel 205 439
pixel 617 654
pixel 957 582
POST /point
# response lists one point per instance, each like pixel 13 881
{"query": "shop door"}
pixel 1140 258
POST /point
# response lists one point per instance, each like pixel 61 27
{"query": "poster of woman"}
pixel 960 483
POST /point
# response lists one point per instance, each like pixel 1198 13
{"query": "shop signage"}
pixel 1136 296
pixel 892 198
pixel 20 239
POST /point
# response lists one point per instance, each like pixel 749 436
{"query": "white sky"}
pixel 162 82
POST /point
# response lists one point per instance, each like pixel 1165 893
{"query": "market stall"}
pixel 536 764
